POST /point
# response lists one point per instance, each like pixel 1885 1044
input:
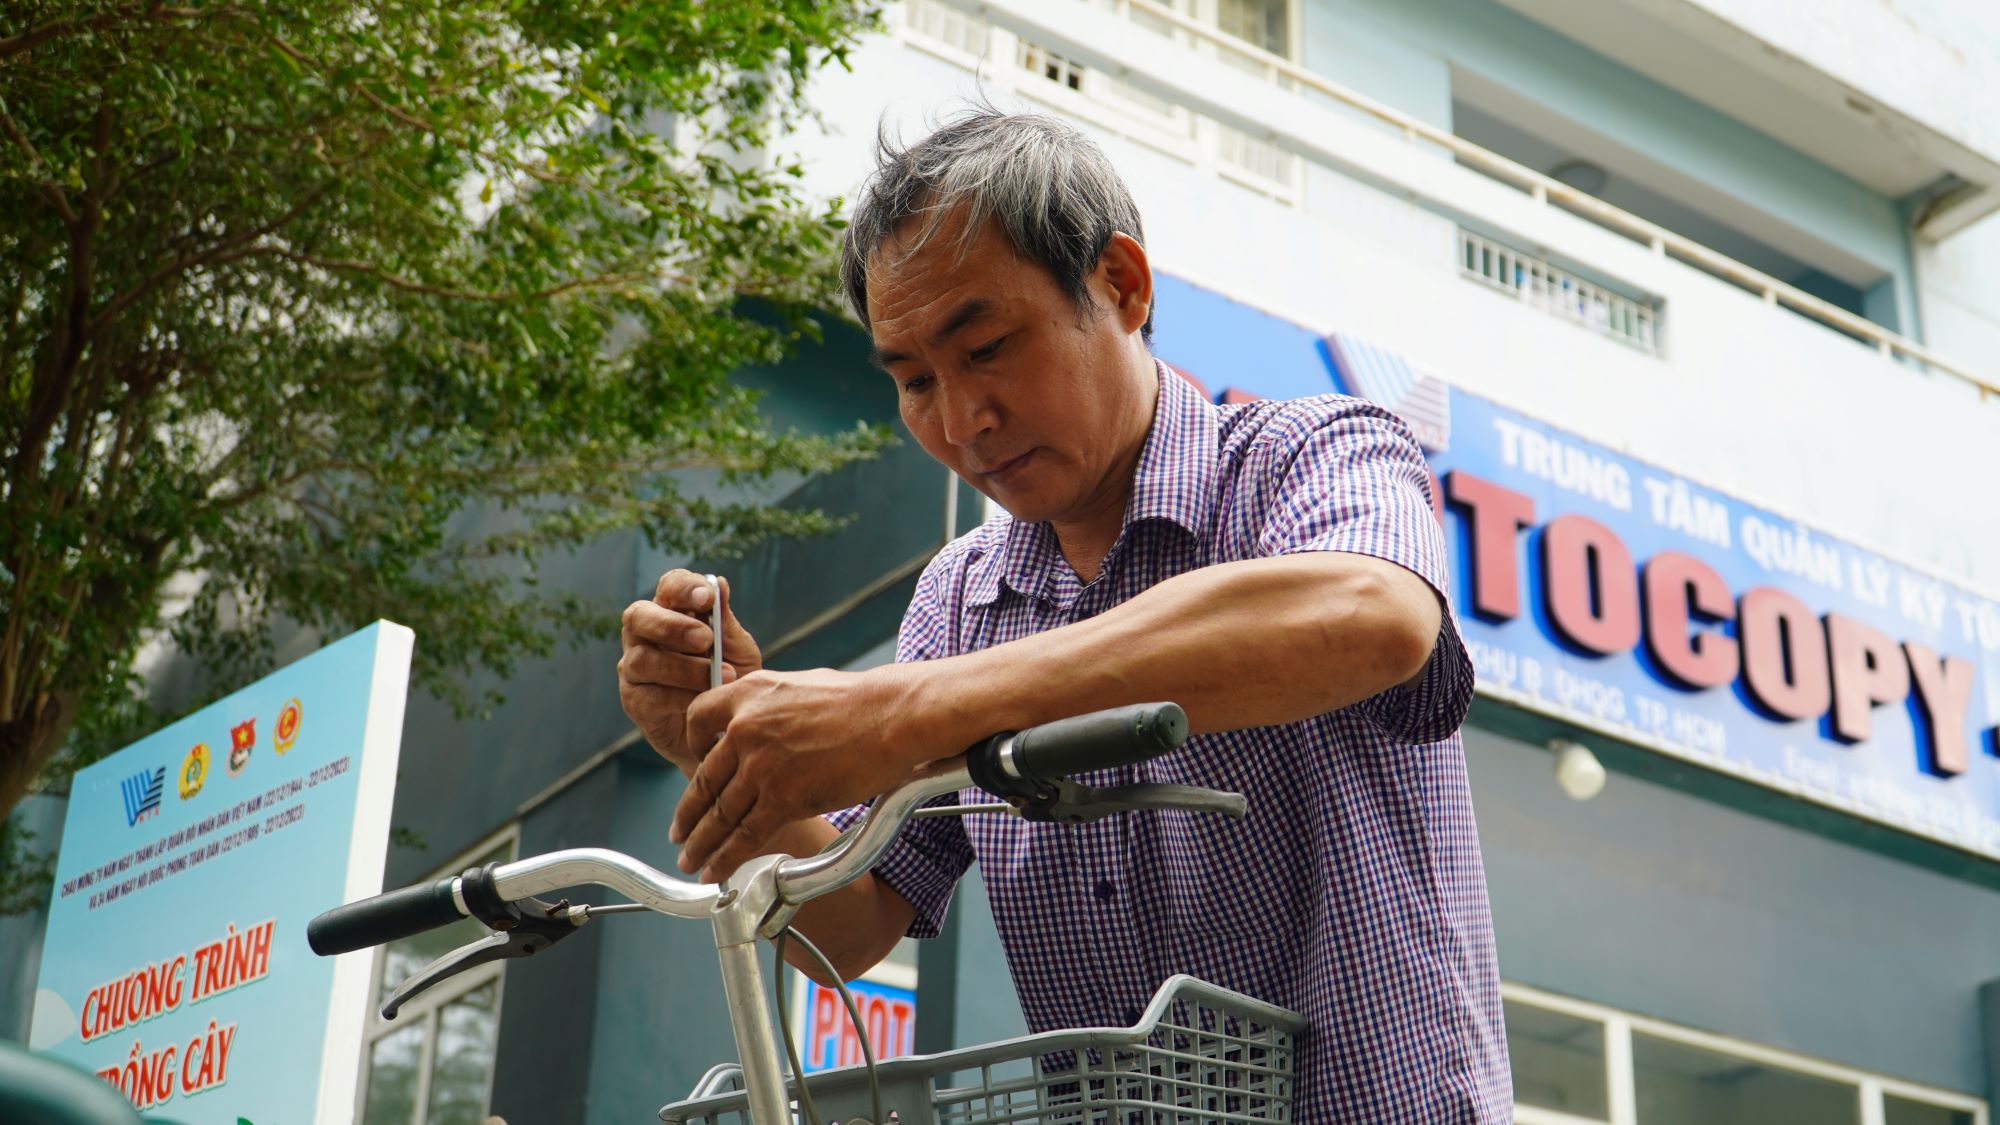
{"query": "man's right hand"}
pixel 665 660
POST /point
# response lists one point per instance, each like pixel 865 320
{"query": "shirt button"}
pixel 1106 890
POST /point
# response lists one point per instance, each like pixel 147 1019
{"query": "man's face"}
pixel 1000 376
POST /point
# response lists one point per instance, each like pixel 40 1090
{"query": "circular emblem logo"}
pixel 194 770
pixel 287 730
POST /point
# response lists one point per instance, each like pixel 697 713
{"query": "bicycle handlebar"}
pixel 1025 764
pixel 1007 766
pixel 384 918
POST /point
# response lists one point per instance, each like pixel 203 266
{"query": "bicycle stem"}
pixel 759 901
pixel 749 900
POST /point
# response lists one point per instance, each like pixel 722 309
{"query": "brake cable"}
pixel 853 1014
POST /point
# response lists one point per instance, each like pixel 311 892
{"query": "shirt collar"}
pixel 1174 481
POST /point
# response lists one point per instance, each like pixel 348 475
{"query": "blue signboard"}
pixel 175 964
pixel 888 1013
pixel 1626 599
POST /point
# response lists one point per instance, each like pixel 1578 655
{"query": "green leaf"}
pixel 288 62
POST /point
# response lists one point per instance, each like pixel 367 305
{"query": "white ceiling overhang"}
pixel 1832 79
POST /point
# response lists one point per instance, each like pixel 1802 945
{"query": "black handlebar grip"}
pixel 1116 737
pixel 383 918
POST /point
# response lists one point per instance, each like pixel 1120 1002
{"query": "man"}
pixel 1274 568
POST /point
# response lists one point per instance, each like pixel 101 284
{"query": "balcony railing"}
pixel 1083 91
pixel 1150 17
pixel 947 25
pixel 1557 291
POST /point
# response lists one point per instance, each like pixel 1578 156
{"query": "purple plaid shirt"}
pixel 1353 892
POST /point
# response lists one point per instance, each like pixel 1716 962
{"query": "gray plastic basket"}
pixel 1199 1054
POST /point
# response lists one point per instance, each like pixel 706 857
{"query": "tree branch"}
pixel 79 429
pixel 265 486
pixel 12 320
pixel 49 188
pixel 10 645
pixel 346 265
pixel 209 256
pixel 304 59
pixel 134 171
pixel 114 465
pixel 52 388
pixel 36 36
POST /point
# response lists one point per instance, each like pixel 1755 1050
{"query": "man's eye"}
pixel 985 352
pixel 920 383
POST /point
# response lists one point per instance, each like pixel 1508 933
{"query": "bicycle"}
pixel 1199 1052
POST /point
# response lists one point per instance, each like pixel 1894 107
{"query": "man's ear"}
pixel 1124 281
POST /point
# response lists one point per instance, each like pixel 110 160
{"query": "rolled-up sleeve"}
pixel 1355 480
pixel 928 857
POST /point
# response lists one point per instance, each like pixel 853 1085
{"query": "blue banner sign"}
pixel 175 963
pixel 1631 601
pixel 888 1013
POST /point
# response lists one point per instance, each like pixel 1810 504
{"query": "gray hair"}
pixel 1057 197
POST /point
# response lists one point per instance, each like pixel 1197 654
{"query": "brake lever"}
pixel 520 929
pixel 1071 803
pixel 492 947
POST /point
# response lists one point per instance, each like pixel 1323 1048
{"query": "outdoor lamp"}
pixel 1578 771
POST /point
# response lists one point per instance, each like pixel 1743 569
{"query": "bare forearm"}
pixel 1237 645
pixel 855 926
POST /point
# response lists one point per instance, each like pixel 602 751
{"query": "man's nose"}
pixel 969 414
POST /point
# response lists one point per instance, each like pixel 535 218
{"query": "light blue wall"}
pixel 1348 42
pixel 1401 52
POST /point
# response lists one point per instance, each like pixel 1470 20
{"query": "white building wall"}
pixel 1958 288
pixel 1934 61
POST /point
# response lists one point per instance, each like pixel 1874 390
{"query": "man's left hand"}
pixel 777 747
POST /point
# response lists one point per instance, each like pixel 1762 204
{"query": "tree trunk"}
pixel 27 742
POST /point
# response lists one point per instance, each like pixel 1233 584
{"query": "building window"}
pixel 1260 23
pixel 1558 1061
pixel 1909 1111
pixel 1051 66
pixel 433 1065
pixel 1676 1082
pixel 1577 1064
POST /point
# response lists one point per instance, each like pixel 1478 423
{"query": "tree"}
pixel 287 288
